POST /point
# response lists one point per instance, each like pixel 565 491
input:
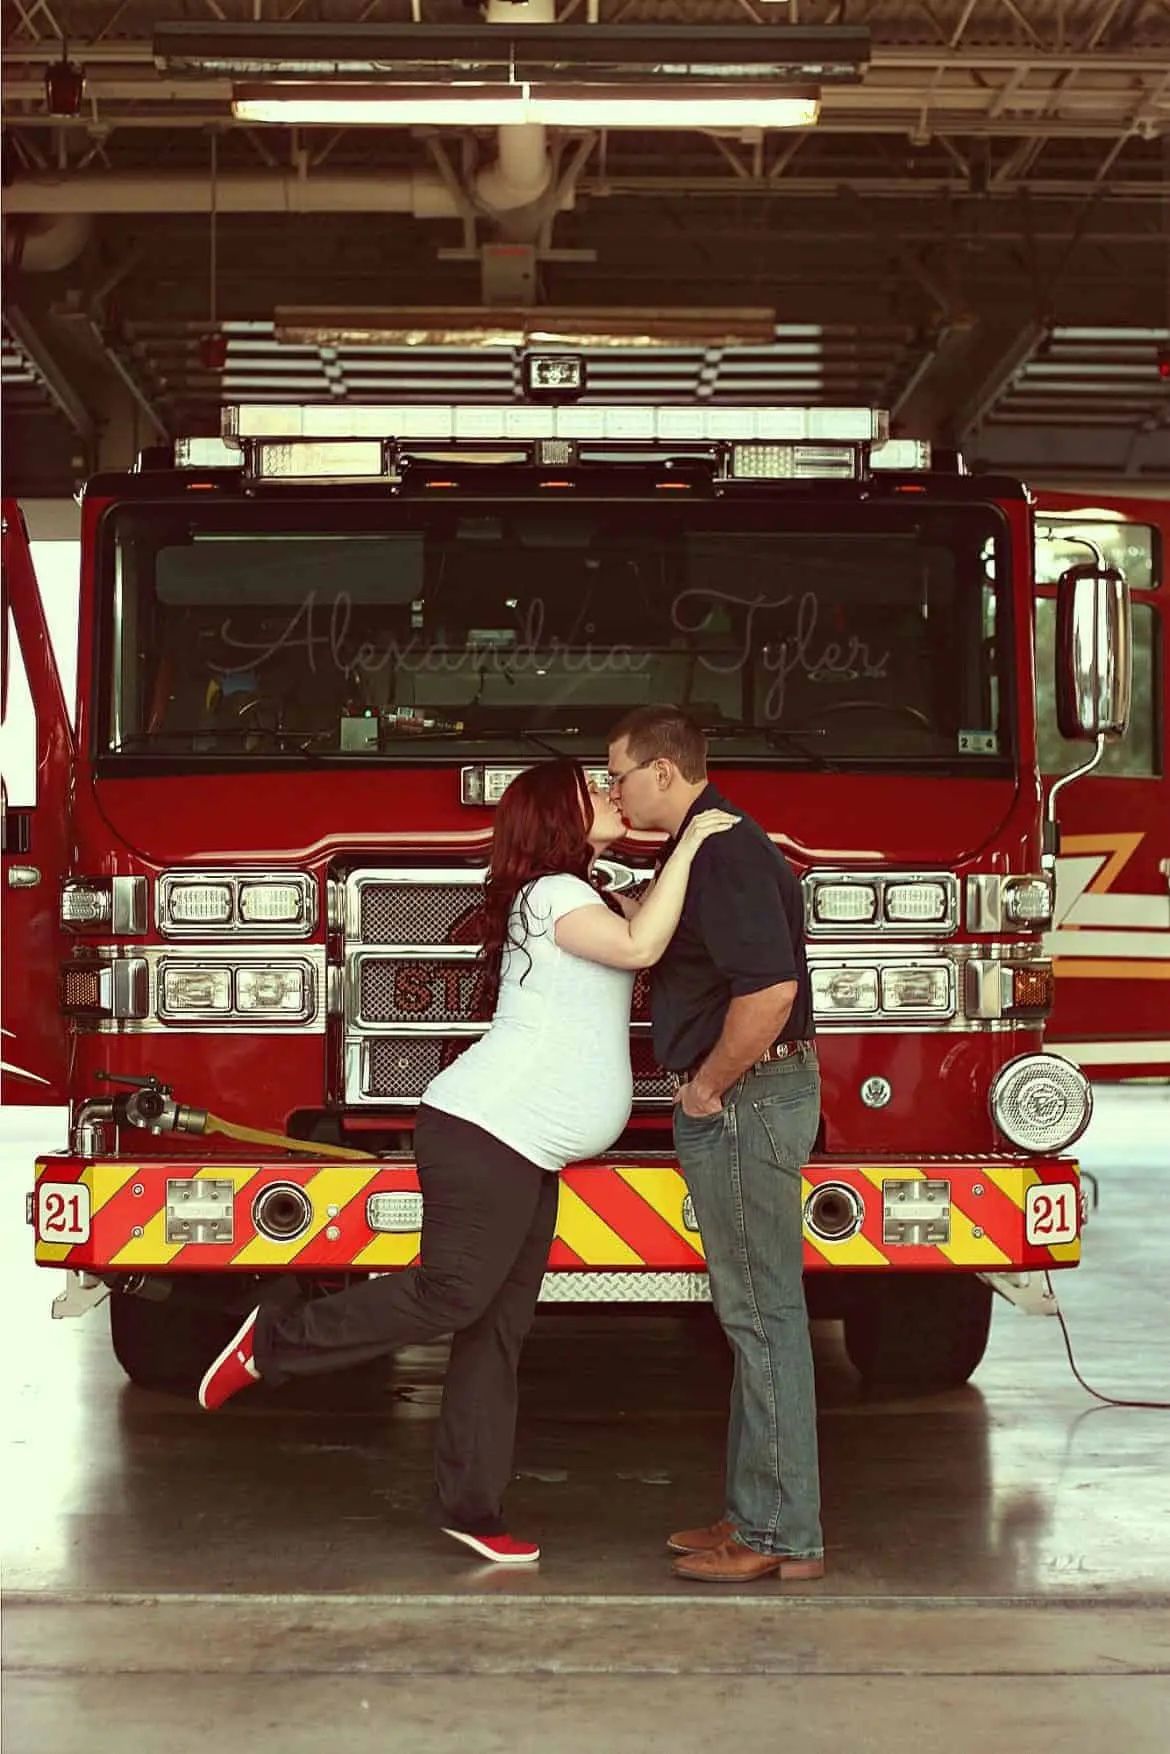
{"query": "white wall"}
pixel 54 532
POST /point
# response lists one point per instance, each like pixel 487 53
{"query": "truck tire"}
pixel 168 1345
pixel 917 1331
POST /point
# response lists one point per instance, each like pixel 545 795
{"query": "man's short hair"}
pixel 667 732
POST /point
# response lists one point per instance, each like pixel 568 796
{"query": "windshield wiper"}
pixel 776 738
pixel 409 733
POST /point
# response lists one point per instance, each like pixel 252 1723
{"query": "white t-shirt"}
pixel 551 1077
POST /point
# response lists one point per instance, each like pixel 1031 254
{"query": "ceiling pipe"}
pixel 422 194
pixel 43 243
pixel 513 191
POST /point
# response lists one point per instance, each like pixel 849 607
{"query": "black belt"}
pixel 779 1050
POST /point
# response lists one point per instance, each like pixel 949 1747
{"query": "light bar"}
pixel 902 453
pixel 523 326
pixel 487 782
pixel 701 104
pixel 207 453
pixel 794 462
pixel 338 459
pixel 583 421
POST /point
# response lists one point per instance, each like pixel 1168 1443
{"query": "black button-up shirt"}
pixel 742 929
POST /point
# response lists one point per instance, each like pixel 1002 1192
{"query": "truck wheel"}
pixel 167 1345
pixel 917 1331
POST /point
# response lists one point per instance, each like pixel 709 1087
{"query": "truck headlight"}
pixel 235 992
pixel 271 990
pixel 844 989
pixel 272 903
pixel 911 902
pixel 187 988
pixel 840 904
pixel 199 904
pixel 265 904
pixel 926 990
pixel 1041 1102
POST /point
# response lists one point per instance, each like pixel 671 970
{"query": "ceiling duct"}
pixel 522 326
pixel 505 52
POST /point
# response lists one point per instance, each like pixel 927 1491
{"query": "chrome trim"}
pixel 987 903
pixel 234 1015
pixel 131 915
pixel 123 989
pixel 820 877
pixel 851 1199
pixel 883 1013
pixel 625 1288
pixel 235 927
pixel 1011 1072
pixel 235 956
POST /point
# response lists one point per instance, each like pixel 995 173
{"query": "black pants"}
pixel 488 1220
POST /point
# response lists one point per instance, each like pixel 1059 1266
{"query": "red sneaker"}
pixel 233 1370
pixel 500 1549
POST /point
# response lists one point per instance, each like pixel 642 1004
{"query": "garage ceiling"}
pixel 976 235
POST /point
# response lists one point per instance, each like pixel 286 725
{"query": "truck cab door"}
pixel 1110 940
pixel 37 774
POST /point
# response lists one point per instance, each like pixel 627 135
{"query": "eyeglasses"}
pixel 618 780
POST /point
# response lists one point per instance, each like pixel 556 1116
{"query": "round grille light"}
pixel 1041 1102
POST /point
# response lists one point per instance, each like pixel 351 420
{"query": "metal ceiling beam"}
pixel 996 377
pixel 33 344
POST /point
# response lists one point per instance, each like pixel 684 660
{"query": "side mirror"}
pixel 1094 653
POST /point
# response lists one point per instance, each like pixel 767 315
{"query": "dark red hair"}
pixel 542 828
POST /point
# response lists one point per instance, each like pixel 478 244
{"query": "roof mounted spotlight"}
pixel 553 377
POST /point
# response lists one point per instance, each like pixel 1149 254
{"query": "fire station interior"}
pixel 330 642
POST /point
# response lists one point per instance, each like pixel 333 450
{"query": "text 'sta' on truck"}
pixel 241 906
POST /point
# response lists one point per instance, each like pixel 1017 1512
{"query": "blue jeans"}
pixel 742 1169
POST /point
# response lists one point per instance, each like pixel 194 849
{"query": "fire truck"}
pixel 313 652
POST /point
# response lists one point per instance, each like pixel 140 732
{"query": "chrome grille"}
pixel 649 1078
pixel 405 1011
pixel 401 1066
pixel 419 913
pixel 418 989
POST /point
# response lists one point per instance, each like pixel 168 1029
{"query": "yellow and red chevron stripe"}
pixel 613 1217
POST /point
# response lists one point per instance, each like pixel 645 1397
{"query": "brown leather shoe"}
pixel 701 1540
pixel 732 1562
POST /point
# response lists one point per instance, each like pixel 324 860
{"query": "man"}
pixel 732 1016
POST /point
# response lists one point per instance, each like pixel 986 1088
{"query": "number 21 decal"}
pixel 1050 1213
pixel 63 1212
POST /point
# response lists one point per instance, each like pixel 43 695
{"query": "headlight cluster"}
pixel 912 989
pixel 928 904
pixel 266 905
pixel 277 991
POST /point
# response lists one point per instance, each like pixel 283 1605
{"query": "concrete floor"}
pixel 999 1556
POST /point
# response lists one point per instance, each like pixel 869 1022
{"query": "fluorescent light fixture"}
pixel 523 326
pixel 697 104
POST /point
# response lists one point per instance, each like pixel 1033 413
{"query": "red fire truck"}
pixel 242 904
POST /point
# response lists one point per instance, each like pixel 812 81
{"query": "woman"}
pixel 548 1083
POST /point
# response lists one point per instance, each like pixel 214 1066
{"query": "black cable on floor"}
pixel 1109 1400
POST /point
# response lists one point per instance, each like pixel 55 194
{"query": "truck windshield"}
pixel 798 635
